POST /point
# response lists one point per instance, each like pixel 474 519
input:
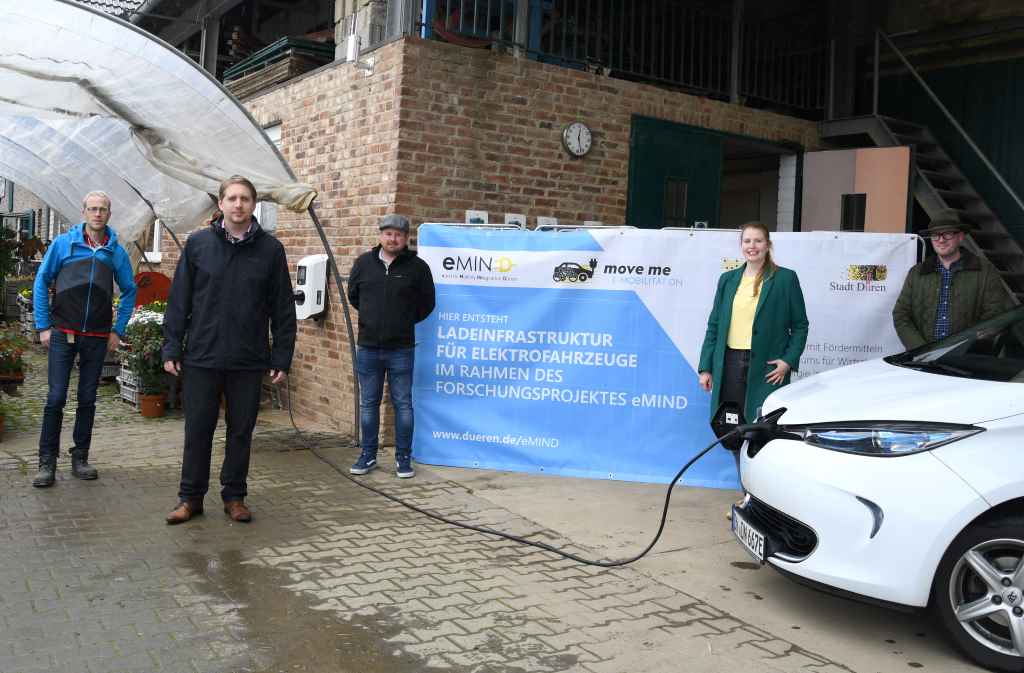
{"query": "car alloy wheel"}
pixel 986 589
pixel 979 594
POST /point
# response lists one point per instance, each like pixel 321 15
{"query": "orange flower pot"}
pixel 152 406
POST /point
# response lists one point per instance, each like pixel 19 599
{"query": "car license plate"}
pixel 751 538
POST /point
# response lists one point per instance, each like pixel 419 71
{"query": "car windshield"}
pixel 990 351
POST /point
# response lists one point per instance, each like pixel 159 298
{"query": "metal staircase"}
pixel 938 185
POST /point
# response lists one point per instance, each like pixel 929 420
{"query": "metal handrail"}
pixel 573 227
pixel 477 225
pixel 879 33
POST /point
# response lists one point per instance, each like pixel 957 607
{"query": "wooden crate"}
pixel 110 370
pixel 129 393
pixel 128 377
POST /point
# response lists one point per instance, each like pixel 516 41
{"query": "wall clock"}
pixel 577 139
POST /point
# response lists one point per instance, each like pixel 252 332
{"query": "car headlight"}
pixel 881 438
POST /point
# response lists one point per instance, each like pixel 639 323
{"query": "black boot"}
pixel 80 466
pixel 47 473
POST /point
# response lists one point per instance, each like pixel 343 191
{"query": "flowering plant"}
pixel 145 338
pixel 12 346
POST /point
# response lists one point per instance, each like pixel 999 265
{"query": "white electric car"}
pixel 901 481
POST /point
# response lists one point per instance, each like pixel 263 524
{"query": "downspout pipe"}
pixel 356 429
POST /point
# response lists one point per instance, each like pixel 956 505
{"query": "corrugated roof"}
pixel 119 8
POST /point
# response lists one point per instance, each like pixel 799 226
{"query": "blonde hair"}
pixel 769 267
pixel 237 180
pixel 96 194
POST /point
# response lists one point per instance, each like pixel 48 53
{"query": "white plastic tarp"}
pixel 90 102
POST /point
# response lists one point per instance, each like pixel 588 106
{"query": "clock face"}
pixel 577 139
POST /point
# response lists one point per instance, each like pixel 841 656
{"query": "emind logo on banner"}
pixel 478 267
pixel 863 278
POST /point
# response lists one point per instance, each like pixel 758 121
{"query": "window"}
pixel 153 254
pixel 266 212
pixel 674 205
pixel 854 206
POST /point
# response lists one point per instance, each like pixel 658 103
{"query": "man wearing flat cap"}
pixel 949 292
pixel 393 290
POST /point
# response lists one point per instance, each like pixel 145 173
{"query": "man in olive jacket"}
pixel 393 290
pixel 949 292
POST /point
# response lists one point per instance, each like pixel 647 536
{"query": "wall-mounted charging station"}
pixel 311 287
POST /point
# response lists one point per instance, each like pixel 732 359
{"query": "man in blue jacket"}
pixel 82 265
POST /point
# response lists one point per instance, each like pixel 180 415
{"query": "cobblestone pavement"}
pixel 328 577
pixel 26 409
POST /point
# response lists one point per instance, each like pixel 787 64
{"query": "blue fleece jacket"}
pixel 84 285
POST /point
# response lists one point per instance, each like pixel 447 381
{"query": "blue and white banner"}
pixel 575 352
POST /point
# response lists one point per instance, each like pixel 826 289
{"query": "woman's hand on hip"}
pixel 705 381
pixel 777 375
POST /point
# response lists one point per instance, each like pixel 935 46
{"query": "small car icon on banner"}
pixel 573 272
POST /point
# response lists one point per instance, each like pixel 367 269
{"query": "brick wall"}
pixel 339 133
pixel 436 129
pixel 483 131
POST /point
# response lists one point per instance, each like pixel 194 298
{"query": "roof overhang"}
pixel 91 102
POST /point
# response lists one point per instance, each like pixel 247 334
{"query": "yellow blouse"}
pixel 744 305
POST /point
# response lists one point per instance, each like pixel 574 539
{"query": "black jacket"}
pixel 222 299
pixel 391 300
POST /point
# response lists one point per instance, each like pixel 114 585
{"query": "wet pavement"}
pixel 27 406
pixel 328 578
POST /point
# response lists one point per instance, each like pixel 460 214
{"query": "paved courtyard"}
pixel 332 578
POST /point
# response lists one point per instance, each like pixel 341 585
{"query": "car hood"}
pixel 878 391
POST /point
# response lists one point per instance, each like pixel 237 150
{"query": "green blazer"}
pixel 780 332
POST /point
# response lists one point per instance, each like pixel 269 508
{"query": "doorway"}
pixel 686 176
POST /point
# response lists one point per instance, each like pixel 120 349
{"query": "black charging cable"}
pixel 746 431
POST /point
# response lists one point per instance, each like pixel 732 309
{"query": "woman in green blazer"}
pixel 756 331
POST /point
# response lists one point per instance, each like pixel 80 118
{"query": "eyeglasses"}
pixel 944 236
pixel 97 209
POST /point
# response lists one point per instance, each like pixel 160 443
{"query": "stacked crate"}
pixel 129 385
pixel 111 367
pixel 12 308
pixel 28 322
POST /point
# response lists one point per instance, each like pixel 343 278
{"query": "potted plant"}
pixel 145 337
pixel 12 364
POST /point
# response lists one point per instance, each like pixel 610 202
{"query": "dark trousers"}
pixel 91 352
pixel 734 385
pixel 202 389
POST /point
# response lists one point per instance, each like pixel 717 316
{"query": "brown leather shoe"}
pixel 183 512
pixel 237 510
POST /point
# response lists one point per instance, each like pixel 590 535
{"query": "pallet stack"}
pixel 27 319
pixel 128 382
pixel 12 307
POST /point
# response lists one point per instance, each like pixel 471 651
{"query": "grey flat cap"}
pixel 394 221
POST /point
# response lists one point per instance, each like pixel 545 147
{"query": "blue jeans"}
pixel 372 364
pixel 91 352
